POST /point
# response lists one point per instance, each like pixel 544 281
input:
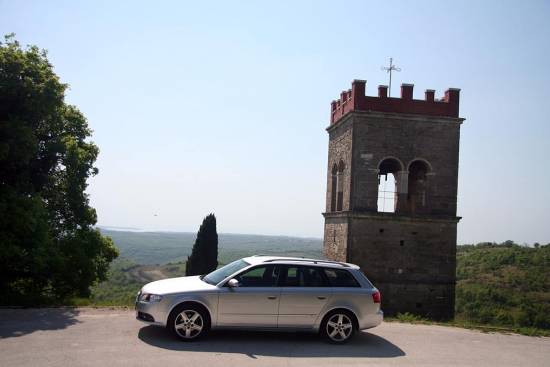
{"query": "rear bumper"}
pixel 371 320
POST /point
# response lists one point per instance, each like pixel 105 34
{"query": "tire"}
pixel 189 322
pixel 338 326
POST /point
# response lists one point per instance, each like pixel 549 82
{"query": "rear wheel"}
pixel 338 326
pixel 189 322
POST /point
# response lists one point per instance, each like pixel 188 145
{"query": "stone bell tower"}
pixel 392 192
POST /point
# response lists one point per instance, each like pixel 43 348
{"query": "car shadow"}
pixel 277 344
pixel 18 322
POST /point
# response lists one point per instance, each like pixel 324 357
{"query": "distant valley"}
pixel 149 256
pixel 149 248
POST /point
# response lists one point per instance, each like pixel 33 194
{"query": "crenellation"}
pixel 355 99
pixel 382 91
pixel 429 95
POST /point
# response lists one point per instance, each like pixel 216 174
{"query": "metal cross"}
pixel 389 69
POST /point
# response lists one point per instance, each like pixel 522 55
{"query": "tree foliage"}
pixel 49 245
pixel 204 256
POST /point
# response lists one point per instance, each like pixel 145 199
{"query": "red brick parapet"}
pixel 355 99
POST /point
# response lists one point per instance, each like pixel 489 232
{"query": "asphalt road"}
pixel 112 337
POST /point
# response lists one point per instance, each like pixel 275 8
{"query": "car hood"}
pixel 177 285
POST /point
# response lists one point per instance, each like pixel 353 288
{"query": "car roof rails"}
pixel 262 255
pixel 310 261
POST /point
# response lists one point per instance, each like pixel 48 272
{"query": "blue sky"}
pixel 221 107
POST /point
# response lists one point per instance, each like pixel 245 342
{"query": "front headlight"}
pixel 148 297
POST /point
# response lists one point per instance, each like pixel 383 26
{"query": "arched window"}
pixel 387 184
pixel 418 186
pixel 333 185
pixel 340 186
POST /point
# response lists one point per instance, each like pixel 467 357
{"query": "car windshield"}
pixel 220 274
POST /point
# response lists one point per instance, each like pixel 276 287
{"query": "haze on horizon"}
pixel 222 107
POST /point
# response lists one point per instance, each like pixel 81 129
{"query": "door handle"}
pixel 321 297
pixel 272 297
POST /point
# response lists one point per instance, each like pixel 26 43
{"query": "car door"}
pixel 255 302
pixel 304 294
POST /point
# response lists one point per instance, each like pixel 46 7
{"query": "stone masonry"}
pixel 409 253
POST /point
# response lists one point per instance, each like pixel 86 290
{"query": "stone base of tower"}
pixel 432 301
pixel 411 259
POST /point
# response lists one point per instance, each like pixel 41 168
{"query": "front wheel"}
pixel 337 327
pixel 189 322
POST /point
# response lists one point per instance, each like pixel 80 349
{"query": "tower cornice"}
pixel 397 116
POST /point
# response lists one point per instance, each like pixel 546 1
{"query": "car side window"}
pixel 260 276
pixel 341 278
pixel 304 276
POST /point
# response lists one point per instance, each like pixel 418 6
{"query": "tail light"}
pixel 376 297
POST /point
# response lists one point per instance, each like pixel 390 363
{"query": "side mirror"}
pixel 233 283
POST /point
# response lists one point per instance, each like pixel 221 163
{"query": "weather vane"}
pixel 389 69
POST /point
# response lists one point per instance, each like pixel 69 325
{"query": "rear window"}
pixel 341 278
pixel 367 280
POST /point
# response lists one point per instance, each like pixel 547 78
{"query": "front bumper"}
pixel 145 317
pixel 152 313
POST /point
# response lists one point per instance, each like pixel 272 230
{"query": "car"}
pixel 332 298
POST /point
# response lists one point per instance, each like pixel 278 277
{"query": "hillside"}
pixel 126 278
pixel 165 247
pixel 504 284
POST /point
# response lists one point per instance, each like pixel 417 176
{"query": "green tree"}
pixel 204 256
pixel 50 248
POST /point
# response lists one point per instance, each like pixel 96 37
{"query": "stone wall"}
pixel 411 260
pixel 335 245
pixel 340 149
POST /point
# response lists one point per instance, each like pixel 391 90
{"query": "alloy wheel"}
pixel 188 324
pixel 339 327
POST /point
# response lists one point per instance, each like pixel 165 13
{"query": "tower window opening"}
pixel 386 193
pixel 387 185
pixel 340 186
pixel 333 187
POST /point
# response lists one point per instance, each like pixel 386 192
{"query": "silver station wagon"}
pixel 264 292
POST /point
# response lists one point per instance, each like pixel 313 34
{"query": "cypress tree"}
pixel 204 256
